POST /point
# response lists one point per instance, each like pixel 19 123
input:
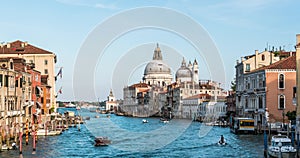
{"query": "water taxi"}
pixel 281 146
pixel 243 125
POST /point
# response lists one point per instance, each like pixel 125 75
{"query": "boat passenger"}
pixel 222 140
pixel 14 146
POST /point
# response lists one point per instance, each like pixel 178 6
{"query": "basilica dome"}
pixel 183 72
pixel 156 71
pixel 157 67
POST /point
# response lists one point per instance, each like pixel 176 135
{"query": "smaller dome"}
pixel 183 72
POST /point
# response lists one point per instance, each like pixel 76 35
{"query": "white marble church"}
pixel 158 91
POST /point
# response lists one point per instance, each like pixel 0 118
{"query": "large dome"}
pixel 157 67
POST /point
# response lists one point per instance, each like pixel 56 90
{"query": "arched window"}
pixel 263 57
pixel 281 102
pixel 281 81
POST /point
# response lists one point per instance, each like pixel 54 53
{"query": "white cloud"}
pixel 105 6
pixel 90 3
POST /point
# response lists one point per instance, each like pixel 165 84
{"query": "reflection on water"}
pixel 131 138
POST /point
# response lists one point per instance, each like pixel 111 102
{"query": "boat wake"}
pixel 126 140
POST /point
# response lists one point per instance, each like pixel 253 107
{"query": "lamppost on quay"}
pixel 283 116
pixel 266 118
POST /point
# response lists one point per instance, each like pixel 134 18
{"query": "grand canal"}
pixel 131 138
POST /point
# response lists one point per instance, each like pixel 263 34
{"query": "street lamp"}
pixel 283 116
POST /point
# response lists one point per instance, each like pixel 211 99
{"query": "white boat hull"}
pixel 283 154
pixel 48 133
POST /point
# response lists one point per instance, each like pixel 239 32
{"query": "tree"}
pixel 291 115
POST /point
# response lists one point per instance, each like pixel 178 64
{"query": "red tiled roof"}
pixel 146 90
pixel 19 47
pixel 287 63
pixel 199 96
pixel 139 85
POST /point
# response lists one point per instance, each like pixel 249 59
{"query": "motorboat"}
pixel 164 120
pixel 102 141
pixel 145 121
pixel 222 143
pixel 281 146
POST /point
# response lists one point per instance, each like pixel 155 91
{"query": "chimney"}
pixel 256 59
pixel 297 39
pixel 22 45
pixel 25 43
pixel 8 45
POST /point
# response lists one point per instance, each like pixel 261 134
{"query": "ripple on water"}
pixel 139 143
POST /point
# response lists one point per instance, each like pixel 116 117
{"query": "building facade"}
pixel 111 104
pixel 43 60
pixel 268 87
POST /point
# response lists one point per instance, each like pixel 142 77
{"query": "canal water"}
pixel 132 138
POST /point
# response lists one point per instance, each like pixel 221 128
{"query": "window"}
pixel 11 65
pixel 31 61
pixel 281 102
pixel 247 67
pixel 260 102
pixel 21 82
pixel 46 71
pixel 281 81
pixel 263 57
pixel 6 81
pixel 1 80
pixel 294 90
pixel 46 62
pixel 17 83
pixel 246 102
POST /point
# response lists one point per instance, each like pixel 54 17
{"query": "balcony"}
pixel 250 110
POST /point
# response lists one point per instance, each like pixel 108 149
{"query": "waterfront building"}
pixel 111 104
pixel 210 111
pixel 15 97
pixel 191 106
pixel 177 92
pixel 231 106
pixel 43 60
pixel 36 93
pixel 297 81
pixel 266 87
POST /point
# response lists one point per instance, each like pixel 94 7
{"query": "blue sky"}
pixel 237 28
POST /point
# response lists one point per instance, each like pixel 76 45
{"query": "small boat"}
pixel 281 146
pixel 97 116
pixel 164 120
pixel 102 141
pixel 222 143
pixel 145 121
pixel 77 107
